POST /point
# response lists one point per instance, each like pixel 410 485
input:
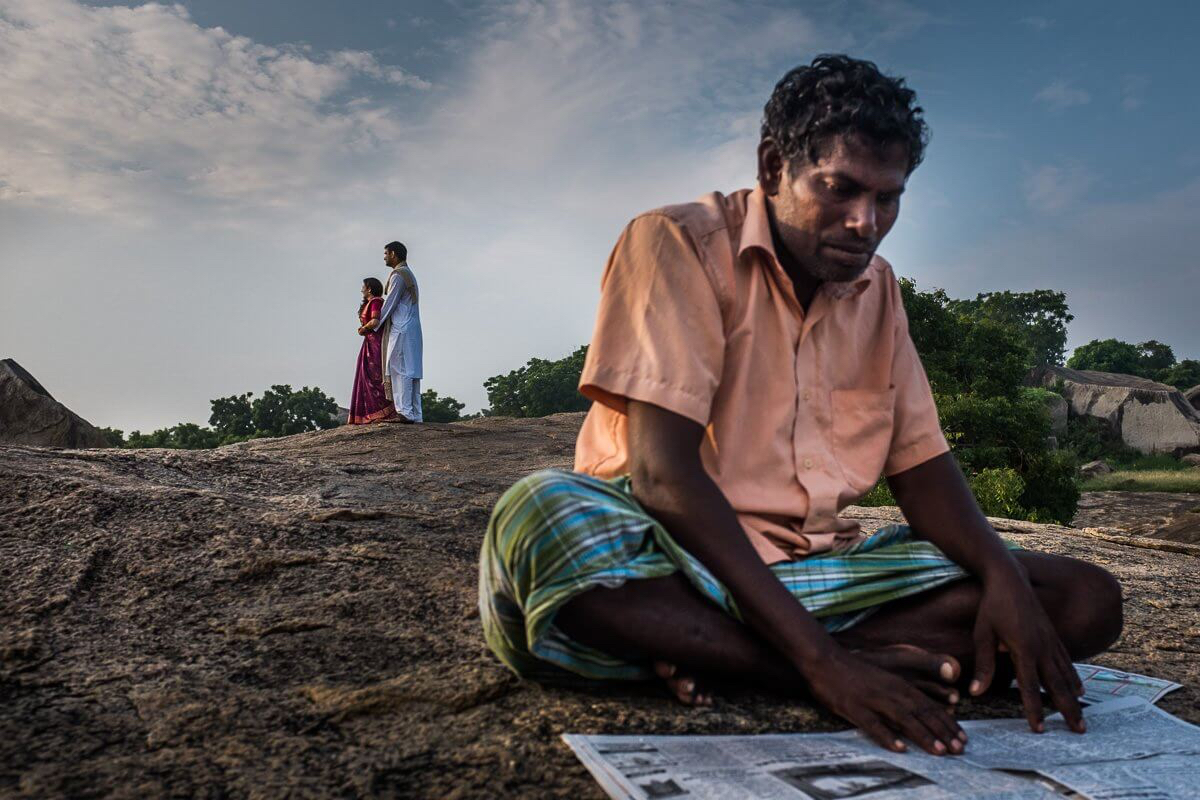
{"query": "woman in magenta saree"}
pixel 368 402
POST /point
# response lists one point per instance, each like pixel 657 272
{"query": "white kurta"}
pixel 402 309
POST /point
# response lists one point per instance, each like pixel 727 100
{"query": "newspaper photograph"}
pixel 1132 751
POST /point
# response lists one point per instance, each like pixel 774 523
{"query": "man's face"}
pixel 831 215
pixel 389 258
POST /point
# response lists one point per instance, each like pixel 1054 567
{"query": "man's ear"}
pixel 770 166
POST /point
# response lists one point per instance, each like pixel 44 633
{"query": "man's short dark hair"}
pixel 837 95
pixel 400 250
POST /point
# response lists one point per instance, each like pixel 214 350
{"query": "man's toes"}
pixel 939 691
pixel 664 669
pixel 913 660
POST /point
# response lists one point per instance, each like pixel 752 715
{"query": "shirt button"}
pixel 807 396
pixel 808 463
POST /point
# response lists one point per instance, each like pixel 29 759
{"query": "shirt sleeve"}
pixel 389 305
pixel 659 335
pixel 916 433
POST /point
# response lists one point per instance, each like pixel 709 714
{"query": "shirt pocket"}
pixel 862 433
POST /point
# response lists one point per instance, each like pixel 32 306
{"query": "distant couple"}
pixel 387 381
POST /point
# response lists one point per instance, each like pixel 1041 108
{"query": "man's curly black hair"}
pixel 836 95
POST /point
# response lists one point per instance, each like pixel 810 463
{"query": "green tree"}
pixel 114 436
pixel 283 412
pixel 1155 358
pixel 233 416
pixel 976 354
pixel 1107 355
pixel 1183 375
pixel 1040 317
pixel 440 409
pixel 539 388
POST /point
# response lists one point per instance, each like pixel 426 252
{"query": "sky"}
pixel 191 194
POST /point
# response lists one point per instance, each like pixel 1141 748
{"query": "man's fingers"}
pixel 874 728
pixel 943 726
pixel 1031 696
pixel 1058 686
pixel 985 658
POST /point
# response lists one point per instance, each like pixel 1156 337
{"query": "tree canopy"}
pixel 1151 359
pixel 539 388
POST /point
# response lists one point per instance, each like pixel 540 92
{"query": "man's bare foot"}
pixel 685 688
pixel 936 674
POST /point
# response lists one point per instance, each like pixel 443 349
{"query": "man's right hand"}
pixel 884 706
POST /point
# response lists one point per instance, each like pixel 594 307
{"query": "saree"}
pixel 368 401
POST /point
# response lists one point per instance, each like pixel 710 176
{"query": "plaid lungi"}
pixel 556 534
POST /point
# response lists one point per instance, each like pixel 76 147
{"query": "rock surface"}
pixel 297 617
pixel 1149 417
pixel 1192 395
pixel 1060 411
pixel 30 415
pixel 1191 459
pixel 1094 469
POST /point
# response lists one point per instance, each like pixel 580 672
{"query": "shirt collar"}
pixel 756 234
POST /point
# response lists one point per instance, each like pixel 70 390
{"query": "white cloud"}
pixel 1061 94
pixel 126 111
pixel 1133 90
pixel 1051 188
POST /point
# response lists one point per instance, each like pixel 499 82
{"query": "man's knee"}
pixel 1090 616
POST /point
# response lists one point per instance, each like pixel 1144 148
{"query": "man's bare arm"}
pixel 939 506
pixel 670 482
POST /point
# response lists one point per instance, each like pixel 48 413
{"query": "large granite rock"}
pixel 30 415
pixel 1192 395
pixel 297 617
pixel 1060 412
pixel 1149 417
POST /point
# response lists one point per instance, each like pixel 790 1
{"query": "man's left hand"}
pixel 1011 618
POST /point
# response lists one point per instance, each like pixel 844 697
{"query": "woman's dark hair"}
pixel 837 95
pixel 400 250
pixel 376 289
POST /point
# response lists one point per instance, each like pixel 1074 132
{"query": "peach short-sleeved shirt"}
pixel 803 410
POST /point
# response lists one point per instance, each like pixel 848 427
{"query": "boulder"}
pixel 1059 412
pixel 30 415
pixel 1149 417
pixel 1191 459
pixel 1093 469
pixel 1192 395
pixel 298 617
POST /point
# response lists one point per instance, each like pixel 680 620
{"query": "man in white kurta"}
pixel 401 320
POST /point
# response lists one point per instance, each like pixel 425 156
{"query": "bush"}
pixel 1051 487
pixel 880 495
pixel 998 492
pixel 440 409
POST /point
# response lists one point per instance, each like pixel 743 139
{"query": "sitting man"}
pixel 752 374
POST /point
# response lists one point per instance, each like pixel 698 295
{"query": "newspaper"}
pixel 1128 740
pixel 1105 683
pixel 1123 729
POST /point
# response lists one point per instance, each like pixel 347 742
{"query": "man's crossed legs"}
pixel 576 578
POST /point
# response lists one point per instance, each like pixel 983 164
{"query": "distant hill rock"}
pixel 30 415
pixel 1149 417
pixel 1193 396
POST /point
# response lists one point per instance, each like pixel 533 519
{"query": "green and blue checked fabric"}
pixel 556 534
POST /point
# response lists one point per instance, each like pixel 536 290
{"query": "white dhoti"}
pixel 403 356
